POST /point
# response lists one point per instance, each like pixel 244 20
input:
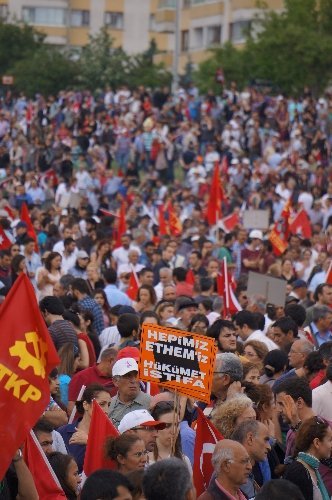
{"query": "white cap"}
pixel 124 366
pixel 138 418
pixel 235 161
pixel 82 254
pixel 256 233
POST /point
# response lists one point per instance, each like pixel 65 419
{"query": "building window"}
pixel 213 35
pixel 198 38
pixel 238 31
pixel 46 16
pixel 184 41
pixel 79 18
pixel 114 20
pixel 186 4
pixel 167 4
pixel 152 23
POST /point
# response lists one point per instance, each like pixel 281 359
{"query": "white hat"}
pixel 235 161
pixel 139 418
pixel 123 366
pixel 81 254
pixel 256 233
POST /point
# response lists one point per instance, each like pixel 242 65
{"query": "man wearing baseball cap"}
pixel 129 396
pixel 141 423
pixel 252 254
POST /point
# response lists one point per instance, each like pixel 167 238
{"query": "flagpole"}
pixel 135 274
pixel 79 398
pixel 175 422
pixel 226 284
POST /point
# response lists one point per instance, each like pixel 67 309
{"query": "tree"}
pixel 292 49
pixel 17 41
pixel 45 71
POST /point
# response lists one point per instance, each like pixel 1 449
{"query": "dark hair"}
pixel 28 240
pixel 260 394
pixel 89 394
pixel 180 273
pixel 279 488
pixel 313 363
pixel 274 362
pixel 198 317
pixel 205 284
pixel 43 425
pixel 73 317
pixel 325 350
pixel 52 305
pixel 310 429
pixel 103 485
pixel 110 276
pixel 15 263
pixel 319 290
pixel 120 445
pixel 215 329
pixel 163 408
pixel 89 316
pixel 287 324
pixel 245 318
pixel 136 479
pixel 99 291
pixel 151 290
pixel 297 313
pixel 207 304
pixel 148 314
pixel 329 372
pixel 80 285
pixel 60 463
pixel 127 323
pixel 260 320
pixel 166 480
pixel 296 388
pixel 66 280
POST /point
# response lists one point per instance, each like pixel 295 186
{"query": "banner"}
pixel 177 360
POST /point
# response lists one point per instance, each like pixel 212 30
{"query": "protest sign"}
pixel 178 360
pixel 256 219
pixel 272 289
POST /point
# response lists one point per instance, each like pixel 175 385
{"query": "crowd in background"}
pixel 100 175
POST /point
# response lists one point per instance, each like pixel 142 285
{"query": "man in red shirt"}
pixel 100 373
pixel 253 252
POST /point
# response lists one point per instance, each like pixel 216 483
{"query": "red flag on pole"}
pixel 133 286
pixel 26 218
pixel 46 482
pixel 278 244
pixel 122 224
pixel 174 223
pixel 216 196
pixel 225 290
pixel 285 214
pixel 301 224
pixel 100 428
pixel 27 355
pixel 4 240
pixel 231 221
pixel 328 278
pixel 207 436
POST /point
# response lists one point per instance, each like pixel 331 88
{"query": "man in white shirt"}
pixel 69 255
pixel 322 397
pixel 121 254
pixel 246 328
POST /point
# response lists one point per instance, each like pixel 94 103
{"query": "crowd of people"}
pixel 117 186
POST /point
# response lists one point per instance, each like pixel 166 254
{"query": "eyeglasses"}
pixel 140 454
pixel 245 461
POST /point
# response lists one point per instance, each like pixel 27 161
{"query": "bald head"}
pixel 231 463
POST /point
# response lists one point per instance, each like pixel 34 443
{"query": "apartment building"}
pixel 133 23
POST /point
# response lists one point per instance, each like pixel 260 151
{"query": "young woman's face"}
pixel 144 296
pixel 167 313
pixel 73 478
pixel 103 398
pixel 99 299
pixel 251 354
pixel 324 447
pixel 171 431
pixel 135 459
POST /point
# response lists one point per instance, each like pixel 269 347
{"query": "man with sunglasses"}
pixel 144 425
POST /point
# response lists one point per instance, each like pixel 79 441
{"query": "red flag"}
pixel 278 244
pixel 206 438
pixel 174 223
pixel 27 355
pixel 216 196
pixel 46 482
pixel 190 277
pixel 301 224
pixel 328 278
pixel 4 240
pixel 285 214
pixel 161 221
pixel 9 212
pixel 108 213
pixel 26 218
pixel 225 290
pixel 231 221
pixel 133 286
pixel 100 428
pixel 122 224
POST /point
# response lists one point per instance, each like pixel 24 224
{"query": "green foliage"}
pixel 45 71
pixel 292 49
pixel 17 41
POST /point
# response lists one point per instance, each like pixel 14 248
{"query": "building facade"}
pixel 134 23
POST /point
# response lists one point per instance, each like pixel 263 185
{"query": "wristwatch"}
pixel 19 457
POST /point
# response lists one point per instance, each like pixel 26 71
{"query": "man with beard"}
pixel 224 335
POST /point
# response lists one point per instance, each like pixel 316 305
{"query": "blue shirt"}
pixel 91 305
pixel 116 297
pixel 76 450
pixel 320 337
pixel 188 436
